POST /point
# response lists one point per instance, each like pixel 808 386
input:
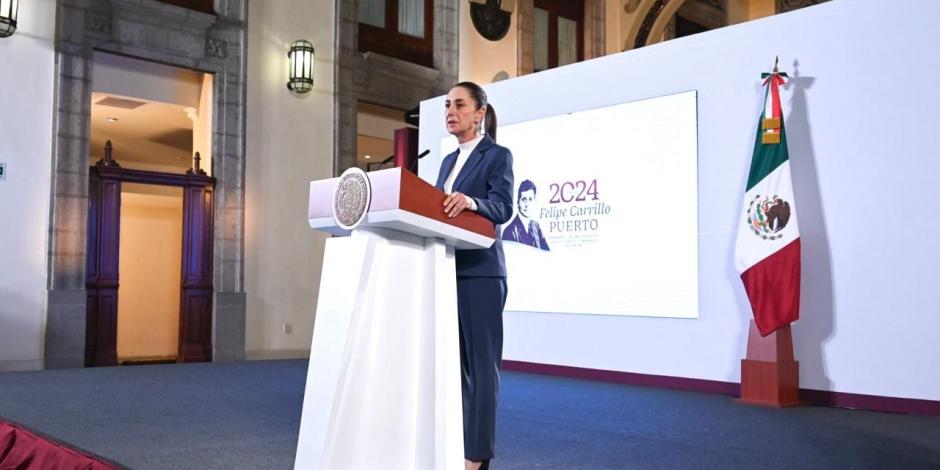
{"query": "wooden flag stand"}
pixel 769 375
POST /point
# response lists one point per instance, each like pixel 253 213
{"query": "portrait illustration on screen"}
pixel 524 228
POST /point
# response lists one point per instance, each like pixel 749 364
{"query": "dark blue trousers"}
pixel 480 302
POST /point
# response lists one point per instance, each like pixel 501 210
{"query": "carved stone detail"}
pixel 630 6
pixel 647 26
pixel 490 20
pixel 784 6
pixel 216 48
pixel 98 23
pixel 719 4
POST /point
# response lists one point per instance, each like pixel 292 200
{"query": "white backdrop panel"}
pixel 860 122
pixel 613 186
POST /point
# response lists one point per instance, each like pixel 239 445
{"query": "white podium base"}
pixel 383 383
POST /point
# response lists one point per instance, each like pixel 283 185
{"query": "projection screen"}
pixel 605 217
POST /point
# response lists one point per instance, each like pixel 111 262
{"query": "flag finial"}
pixel 776 61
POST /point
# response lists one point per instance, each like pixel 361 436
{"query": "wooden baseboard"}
pixel 807 396
pixel 144 361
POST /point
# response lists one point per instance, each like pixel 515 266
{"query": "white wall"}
pixel 26 135
pixel 289 143
pixel 861 121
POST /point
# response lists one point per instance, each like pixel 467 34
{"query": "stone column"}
pixel 383 80
pixel 65 310
pixel 595 29
pixel 525 57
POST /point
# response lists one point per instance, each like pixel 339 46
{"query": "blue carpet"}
pixel 246 415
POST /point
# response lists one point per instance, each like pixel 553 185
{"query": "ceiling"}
pixel 150 134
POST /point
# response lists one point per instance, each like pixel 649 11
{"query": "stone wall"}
pixel 155 31
pixel 385 80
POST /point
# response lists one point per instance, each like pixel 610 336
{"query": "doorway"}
pixel 149 260
pixel 149 247
pixel 166 35
pixel 103 270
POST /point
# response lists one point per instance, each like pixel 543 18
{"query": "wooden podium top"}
pixel 402 201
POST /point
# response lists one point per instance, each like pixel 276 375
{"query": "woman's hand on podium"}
pixel 455 203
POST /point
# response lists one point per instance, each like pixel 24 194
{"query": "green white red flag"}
pixel 767 251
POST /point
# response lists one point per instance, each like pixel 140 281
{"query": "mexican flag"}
pixel 767 251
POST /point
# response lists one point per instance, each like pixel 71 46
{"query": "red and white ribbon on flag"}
pixel 772 108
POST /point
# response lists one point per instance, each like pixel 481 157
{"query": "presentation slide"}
pixel 606 210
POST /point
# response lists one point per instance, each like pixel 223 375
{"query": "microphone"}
pixel 372 166
pixel 376 165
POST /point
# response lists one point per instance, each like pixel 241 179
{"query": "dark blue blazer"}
pixel 487 178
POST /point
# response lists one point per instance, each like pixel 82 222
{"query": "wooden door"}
pixel 103 248
pixel 102 279
pixel 195 343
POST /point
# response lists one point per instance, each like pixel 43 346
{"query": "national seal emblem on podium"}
pixel 351 198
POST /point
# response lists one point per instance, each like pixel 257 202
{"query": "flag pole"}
pixel 769 373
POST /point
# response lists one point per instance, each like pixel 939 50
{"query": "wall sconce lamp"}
pixel 8 17
pixel 301 66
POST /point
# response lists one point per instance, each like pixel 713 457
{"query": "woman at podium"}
pixel 478 177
